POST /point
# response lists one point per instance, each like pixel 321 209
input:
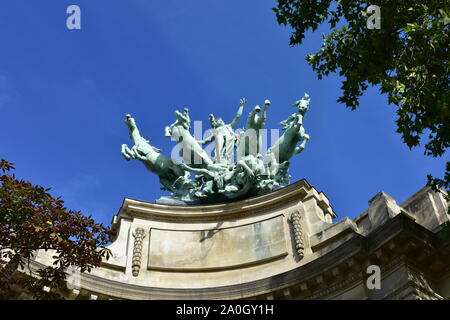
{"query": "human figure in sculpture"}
pixel 218 178
pixel 224 136
pixel 238 179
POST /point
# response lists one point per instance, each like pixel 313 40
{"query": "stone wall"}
pixel 282 245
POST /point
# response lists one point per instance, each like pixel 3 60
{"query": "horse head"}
pixel 138 140
pixel 303 104
pixel 130 122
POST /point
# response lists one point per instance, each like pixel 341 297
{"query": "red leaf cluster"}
pixel 31 219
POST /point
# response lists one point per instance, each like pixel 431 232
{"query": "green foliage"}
pixel 407 58
pixel 32 219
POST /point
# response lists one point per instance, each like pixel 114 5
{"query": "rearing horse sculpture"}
pixel 154 161
pixel 286 146
pixel 221 178
pixel 191 150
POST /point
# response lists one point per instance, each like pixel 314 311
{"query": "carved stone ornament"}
pixel 298 234
pixel 139 235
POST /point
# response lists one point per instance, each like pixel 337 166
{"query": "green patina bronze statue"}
pixel 222 176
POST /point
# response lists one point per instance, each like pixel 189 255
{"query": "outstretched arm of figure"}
pixel 207 140
pixel 239 113
pixel 205 172
pixel 263 114
pixel 168 129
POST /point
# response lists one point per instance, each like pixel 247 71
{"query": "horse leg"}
pixel 137 155
pixel 300 148
pixel 272 163
pixel 126 152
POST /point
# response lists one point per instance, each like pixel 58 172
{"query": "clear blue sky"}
pixel 64 94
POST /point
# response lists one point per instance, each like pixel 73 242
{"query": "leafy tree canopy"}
pixel 32 219
pixel 407 58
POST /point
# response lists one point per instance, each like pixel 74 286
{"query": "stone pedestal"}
pixel 282 245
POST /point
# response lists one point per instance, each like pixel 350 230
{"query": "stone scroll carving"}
pixel 298 234
pixel 139 236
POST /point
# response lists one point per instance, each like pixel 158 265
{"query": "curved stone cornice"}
pixel 293 192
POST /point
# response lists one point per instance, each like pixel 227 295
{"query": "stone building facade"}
pixel 282 245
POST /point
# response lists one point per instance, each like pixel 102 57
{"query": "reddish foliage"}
pixel 31 219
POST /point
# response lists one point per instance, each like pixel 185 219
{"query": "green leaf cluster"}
pixel 407 59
